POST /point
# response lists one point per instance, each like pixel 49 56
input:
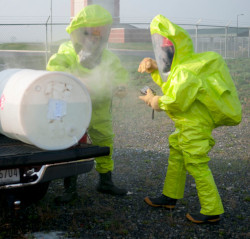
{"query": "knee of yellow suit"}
pixel 197 169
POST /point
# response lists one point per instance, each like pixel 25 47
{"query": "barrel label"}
pixel 56 109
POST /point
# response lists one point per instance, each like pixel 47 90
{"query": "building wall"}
pixel 137 35
pixel 76 6
pixel 113 6
pixel 107 4
pixel 117 35
pixel 121 35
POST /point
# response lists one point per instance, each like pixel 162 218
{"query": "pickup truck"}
pixel 26 171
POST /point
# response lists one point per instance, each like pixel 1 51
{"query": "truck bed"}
pixel 14 153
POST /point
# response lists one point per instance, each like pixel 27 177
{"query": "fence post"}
pixel 226 30
pixel 196 38
pixel 242 47
pixel 196 35
pixel 234 45
pixel 46 44
pixel 248 42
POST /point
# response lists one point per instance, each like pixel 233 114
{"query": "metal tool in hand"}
pixel 144 92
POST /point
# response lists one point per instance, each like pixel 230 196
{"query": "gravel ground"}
pixel 140 155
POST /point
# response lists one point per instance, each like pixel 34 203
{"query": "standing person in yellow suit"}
pixel 198 95
pixel 86 57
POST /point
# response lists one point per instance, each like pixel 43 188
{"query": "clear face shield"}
pixel 89 43
pixel 164 54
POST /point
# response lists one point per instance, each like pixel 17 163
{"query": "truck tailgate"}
pixel 14 153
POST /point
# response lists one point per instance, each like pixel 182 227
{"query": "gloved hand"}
pixel 151 100
pixel 147 65
pixel 121 91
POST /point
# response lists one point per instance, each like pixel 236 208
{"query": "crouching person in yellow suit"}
pixel 198 95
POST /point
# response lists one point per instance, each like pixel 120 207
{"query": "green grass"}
pixel 55 45
pixel 23 46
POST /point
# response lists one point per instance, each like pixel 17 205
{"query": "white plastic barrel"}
pixel 50 110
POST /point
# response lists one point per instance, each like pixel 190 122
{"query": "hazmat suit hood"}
pixel 89 32
pixel 90 16
pixel 180 38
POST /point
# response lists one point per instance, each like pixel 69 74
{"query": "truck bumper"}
pixel 51 172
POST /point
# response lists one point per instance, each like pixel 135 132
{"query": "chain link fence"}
pixel 230 42
pixel 42 40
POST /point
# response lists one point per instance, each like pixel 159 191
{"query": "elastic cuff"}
pixel 155 103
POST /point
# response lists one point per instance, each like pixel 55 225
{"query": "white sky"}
pixel 214 12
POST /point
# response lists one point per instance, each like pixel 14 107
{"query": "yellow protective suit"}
pixel 101 81
pixel 198 96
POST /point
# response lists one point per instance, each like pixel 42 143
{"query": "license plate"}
pixel 9 176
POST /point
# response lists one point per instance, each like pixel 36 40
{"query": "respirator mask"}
pixel 164 54
pixel 89 43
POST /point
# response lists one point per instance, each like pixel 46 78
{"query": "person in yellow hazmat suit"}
pixel 198 95
pixel 86 56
